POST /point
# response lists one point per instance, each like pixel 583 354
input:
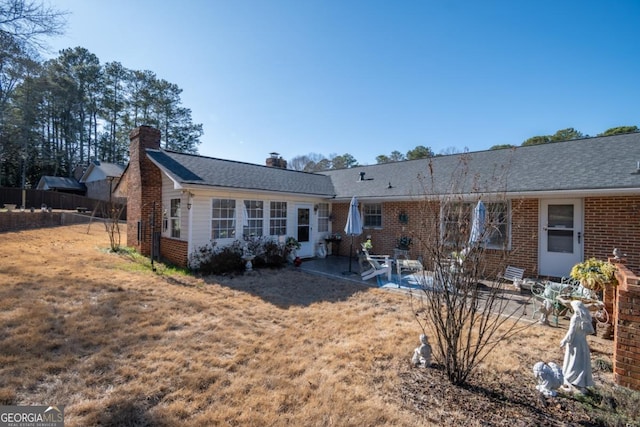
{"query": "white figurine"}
pixel 422 354
pixel 549 378
pixel 577 357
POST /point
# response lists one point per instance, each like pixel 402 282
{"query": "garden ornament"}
pixel 549 378
pixel 422 353
pixel 577 357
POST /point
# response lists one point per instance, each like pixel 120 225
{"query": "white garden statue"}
pixel 422 353
pixel 549 378
pixel 577 357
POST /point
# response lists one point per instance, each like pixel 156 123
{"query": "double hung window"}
pixel 223 219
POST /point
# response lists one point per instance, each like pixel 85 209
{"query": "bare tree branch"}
pixel 30 20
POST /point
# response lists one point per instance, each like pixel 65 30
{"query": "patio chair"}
pixel 513 274
pixel 374 265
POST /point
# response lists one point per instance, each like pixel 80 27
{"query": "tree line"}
pixel 317 162
pixel 57 115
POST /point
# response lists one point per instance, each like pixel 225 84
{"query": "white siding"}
pixel 200 214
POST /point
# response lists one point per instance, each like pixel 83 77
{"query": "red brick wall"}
pixel 626 353
pixel 524 237
pixel 423 225
pixel 144 186
pixel 609 222
pixel 174 251
pixel 612 222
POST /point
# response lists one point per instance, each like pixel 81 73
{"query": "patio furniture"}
pixel 513 274
pixel 407 265
pixel 554 298
pixel 400 253
pixel 374 265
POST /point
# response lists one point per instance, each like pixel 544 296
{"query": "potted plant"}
pixel 594 274
pixel 291 246
pixel 367 246
pixel 404 243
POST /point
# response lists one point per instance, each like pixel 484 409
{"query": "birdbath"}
pixel 247 258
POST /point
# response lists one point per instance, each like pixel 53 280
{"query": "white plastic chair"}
pixel 374 265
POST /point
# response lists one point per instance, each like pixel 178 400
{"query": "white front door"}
pixel 561 236
pixel 304 230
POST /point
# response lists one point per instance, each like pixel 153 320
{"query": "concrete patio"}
pixel 337 267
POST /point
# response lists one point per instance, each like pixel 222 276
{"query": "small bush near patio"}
pixel 214 259
pixel 268 252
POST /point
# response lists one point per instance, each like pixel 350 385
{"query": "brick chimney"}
pixel 144 187
pixel 276 161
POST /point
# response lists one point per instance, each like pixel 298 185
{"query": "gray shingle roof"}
pixel 592 164
pixel 108 169
pixel 60 183
pixel 598 164
pixel 189 169
pixel 111 169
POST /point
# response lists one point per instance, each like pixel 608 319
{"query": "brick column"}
pixel 626 353
pixel 143 188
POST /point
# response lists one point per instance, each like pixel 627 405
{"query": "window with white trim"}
pixel 372 215
pixel 457 220
pixel 497 223
pixel 223 219
pixel 278 219
pixel 323 217
pixel 254 218
pixel 174 218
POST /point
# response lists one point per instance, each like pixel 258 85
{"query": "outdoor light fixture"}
pixel 316 207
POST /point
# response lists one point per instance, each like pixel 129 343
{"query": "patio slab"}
pixel 337 267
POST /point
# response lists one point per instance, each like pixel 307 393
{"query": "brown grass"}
pixel 121 345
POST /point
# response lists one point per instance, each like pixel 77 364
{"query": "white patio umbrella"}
pixel 477 224
pixel 353 227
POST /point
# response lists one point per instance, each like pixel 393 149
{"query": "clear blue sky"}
pixel 369 77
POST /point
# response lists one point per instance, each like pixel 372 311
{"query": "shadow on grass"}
pixel 289 287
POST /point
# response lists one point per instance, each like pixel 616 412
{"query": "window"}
pixel 174 216
pixel 253 218
pixel 323 217
pixel 457 223
pixel 278 219
pixel 457 219
pixel 223 219
pixel 497 222
pixel 372 215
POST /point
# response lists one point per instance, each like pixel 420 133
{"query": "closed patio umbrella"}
pixel 353 227
pixel 477 224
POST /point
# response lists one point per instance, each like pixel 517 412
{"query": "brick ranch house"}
pixel 553 205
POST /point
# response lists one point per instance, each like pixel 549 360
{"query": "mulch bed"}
pixel 510 400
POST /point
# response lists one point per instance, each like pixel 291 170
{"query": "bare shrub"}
pixel 469 318
pixel 112 212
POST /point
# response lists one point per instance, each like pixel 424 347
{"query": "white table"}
pixel 407 265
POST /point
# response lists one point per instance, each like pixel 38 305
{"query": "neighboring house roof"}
pixel 598 165
pixel 97 171
pixel 60 183
pixel 193 170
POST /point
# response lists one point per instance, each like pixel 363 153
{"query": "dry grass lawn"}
pixel 119 345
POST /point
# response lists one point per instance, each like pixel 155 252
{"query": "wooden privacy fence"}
pixel 53 199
